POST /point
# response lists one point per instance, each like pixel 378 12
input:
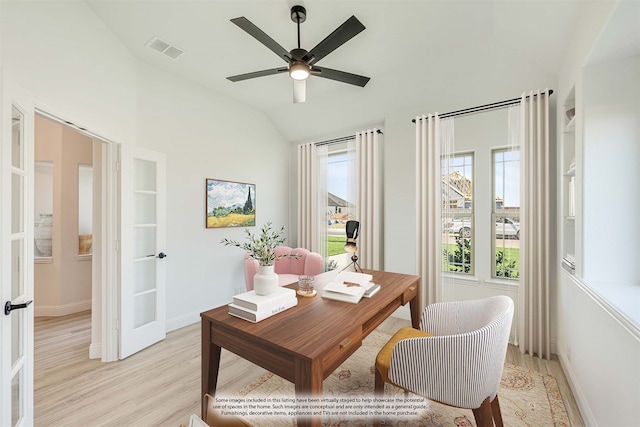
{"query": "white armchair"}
pixel 460 364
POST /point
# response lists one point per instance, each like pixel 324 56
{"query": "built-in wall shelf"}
pixel 43 260
pixel 569 185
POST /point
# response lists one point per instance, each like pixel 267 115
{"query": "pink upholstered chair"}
pixel 287 269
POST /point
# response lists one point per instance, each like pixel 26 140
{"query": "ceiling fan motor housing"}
pixel 298 14
pixel 298 54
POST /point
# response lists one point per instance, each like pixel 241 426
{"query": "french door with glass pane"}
pixel 16 258
pixel 142 307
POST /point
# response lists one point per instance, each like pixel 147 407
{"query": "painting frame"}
pixel 229 203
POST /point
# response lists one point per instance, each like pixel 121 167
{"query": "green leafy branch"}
pixel 262 248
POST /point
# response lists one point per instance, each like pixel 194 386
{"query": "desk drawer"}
pixel 409 293
pixel 340 352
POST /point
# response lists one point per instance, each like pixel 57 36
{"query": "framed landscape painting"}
pixel 230 204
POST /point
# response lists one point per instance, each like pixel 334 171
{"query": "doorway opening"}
pixel 72 220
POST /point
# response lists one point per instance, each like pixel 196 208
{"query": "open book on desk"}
pixel 350 286
pixel 361 279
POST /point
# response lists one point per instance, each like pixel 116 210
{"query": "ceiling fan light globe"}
pixel 299 71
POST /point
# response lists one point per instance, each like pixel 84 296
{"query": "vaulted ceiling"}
pixel 417 53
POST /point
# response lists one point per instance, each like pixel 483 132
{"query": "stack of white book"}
pixel 350 286
pixel 254 308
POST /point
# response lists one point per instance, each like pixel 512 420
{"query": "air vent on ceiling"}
pixel 157 44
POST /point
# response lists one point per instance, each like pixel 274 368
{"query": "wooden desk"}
pixel 306 343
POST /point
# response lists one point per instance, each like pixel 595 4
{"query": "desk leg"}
pixel 414 306
pixel 308 384
pixel 210 364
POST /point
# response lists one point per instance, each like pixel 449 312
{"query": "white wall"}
pixel 74 66
pixel 599 355
pixel 207 136
pixel 612 131
pixel 78 70
pixel 599 349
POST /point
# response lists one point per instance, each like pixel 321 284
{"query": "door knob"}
pixel 8 306
pixel 162 255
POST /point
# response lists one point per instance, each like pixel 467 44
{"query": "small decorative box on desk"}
pixel 254 308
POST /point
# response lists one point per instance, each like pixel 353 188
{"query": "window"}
pixel 43 209
pixel 338 206
pixel 457 213
pixel 506 213
pixel 85 208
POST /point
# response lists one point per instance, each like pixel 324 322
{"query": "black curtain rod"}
pixel 491 106
pixel 342 139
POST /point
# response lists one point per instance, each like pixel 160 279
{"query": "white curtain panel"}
pixel 447 153
pixel 351 178
pixel 312 197
pixel 368 199
pixel 535 232
pixel 514 135
pixel 428 208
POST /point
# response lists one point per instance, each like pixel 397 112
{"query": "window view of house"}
pixel 457 213
pixel 339 208
pixel 458 246
pixel 506 213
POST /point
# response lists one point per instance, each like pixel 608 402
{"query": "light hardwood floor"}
pixel 159 386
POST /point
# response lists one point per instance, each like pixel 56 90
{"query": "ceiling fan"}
pixel 302 63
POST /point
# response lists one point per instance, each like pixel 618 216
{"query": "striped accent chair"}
pixel 456 358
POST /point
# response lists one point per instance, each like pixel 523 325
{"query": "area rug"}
pixel 527 398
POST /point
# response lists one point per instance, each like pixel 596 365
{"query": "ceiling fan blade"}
pixel 299 91
pixel 255 74
pixel 262 37
pixel 341 76
pixel 340 35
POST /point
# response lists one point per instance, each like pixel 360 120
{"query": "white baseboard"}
pixel 95 351
pixel 182 321
pixel 61 310
pixel 581 400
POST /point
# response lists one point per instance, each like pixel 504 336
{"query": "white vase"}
pixel 266 280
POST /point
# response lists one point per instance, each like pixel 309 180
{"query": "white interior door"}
pixel 16 259
pixel 143 257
